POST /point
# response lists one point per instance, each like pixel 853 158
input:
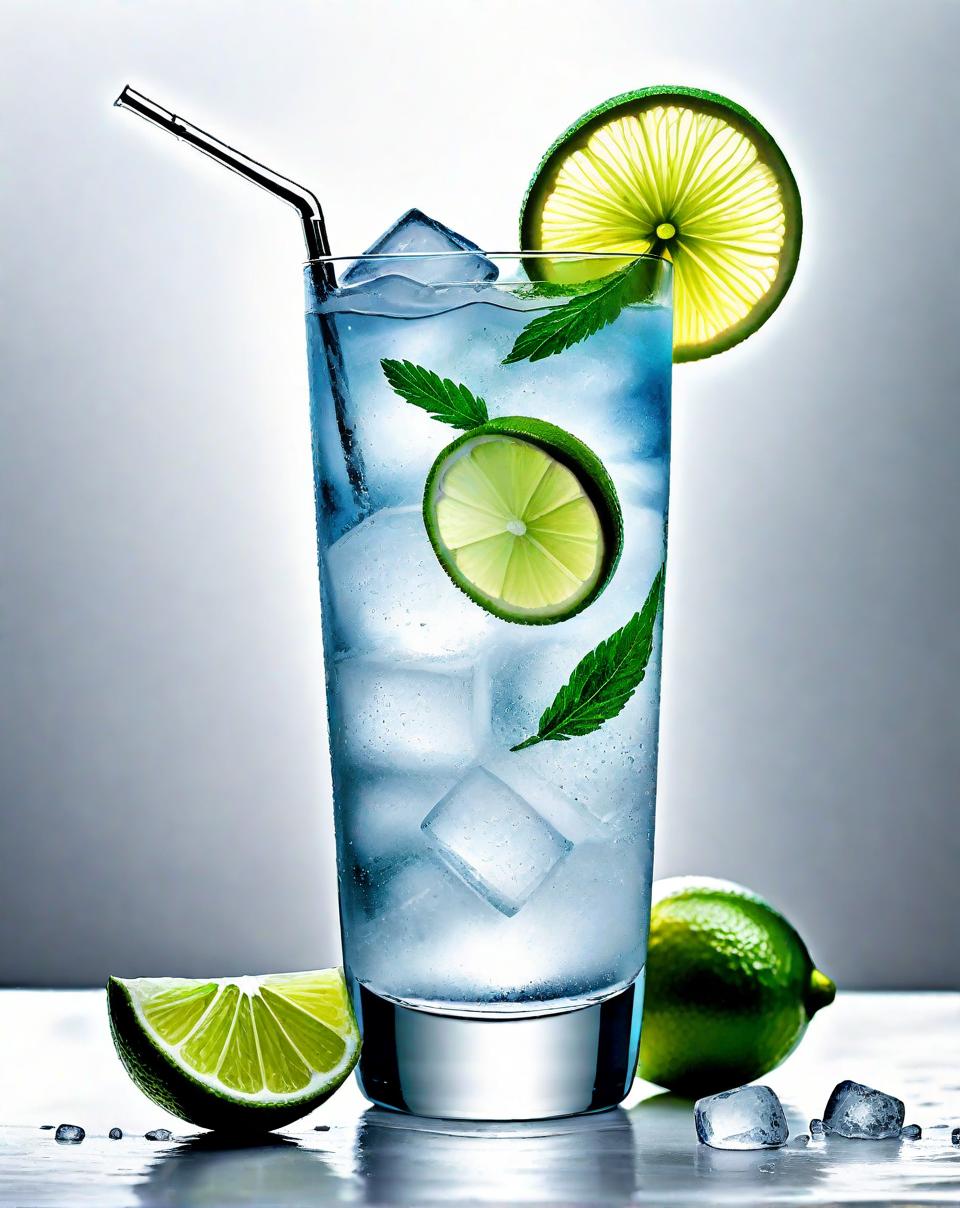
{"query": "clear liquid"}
pixel 473 878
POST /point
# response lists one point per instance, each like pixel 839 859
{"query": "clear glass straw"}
pixel 301 198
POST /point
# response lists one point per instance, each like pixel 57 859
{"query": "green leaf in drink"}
pixel 449 402
pixel 604 679
pixel 584 315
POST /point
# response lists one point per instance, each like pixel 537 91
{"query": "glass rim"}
pixel 535 253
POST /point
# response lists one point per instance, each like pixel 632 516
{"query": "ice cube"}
pixel 387 591
pixel 855 1110
pixel 801 1139
pixel 409 717
pixel 158 1134
pixel 115 1134
pixel 420 909
pixel 911 1132
pixel 380 815
pixel 494 840
pixel 562 812
pixel 416 235
pixel 816 1128
pixel 955 1136
pixel 643 482
pixel 69 1134
pixel 749 1117
pixel 620 377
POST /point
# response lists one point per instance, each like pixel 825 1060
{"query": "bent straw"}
pixel 301 198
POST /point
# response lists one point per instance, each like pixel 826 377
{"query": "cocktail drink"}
pixel 492 642
pixel 491 440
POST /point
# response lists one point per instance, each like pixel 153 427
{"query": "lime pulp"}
pixel 249 1052
pixel 685 174
pixel 524 518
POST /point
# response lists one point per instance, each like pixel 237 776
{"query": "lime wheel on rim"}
pixel 524 519
pixel 686 174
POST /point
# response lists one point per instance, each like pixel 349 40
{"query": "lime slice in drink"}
pixel 685 174
pixel 245 1053
pixel 524 519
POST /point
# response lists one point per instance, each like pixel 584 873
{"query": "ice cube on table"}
pixel 115 1134
pixel 414 234
pixel 955 1136
pixel 387 591
pixel 408 716
pixel 158 1134
pixel 816 1127
pixel 69 1134
pixel 860 1112
pixel 750 1117
pixel 911 1132
pixel 494 840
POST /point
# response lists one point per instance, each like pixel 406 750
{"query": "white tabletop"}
pixel 57 1066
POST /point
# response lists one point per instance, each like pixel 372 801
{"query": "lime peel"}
pixel 730 987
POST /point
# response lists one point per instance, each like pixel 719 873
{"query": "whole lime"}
pixel 730 987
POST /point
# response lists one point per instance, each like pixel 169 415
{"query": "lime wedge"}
pixel 685 174
pixel 524 519
pixel 247 1053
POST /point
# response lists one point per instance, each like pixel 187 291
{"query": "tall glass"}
pixel 494 903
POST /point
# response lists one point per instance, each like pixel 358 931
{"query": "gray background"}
pixel 165 802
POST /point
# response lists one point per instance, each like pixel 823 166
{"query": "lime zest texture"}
pixel 730 987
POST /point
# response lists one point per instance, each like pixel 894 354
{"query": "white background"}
pixel 165 803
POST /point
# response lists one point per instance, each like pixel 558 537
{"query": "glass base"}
pixel 527 1067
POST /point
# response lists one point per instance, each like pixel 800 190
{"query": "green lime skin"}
pixel 580 460
pixel 172 1088
pixel 578 134
pixel 730 987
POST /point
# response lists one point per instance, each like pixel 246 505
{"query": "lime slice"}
pixel 246 1053
pixel 685 174
pixel 524 519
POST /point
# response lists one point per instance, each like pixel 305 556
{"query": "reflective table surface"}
pixel 57 1066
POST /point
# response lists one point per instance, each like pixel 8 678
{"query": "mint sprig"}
pixel 563 326
pixel 604 680
pixel 449 402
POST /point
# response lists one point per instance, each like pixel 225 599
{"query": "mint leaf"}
pixel 553 289
pixel 585 313
pixel 449 402
pixel 604 680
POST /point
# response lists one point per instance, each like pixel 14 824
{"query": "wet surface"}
pixel 58 1065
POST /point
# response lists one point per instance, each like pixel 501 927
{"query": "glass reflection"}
pixel 585 1159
